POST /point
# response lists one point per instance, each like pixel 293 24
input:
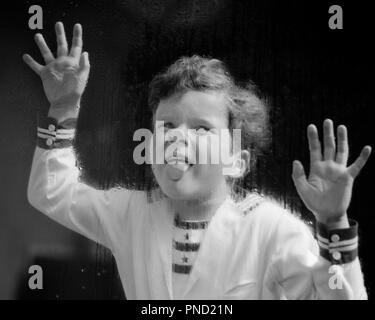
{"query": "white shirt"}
pixel 265 254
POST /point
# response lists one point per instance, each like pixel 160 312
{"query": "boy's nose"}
pixel 179 134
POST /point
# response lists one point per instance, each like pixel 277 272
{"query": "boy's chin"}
pixel 180 191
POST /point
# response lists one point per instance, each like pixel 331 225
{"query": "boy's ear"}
pixel 245 156
pixel 240 164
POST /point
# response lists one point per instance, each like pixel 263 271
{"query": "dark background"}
pixel 308 71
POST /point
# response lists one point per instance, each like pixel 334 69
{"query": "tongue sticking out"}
pixel 176 171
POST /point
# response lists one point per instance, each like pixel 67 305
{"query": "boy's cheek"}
pixel 208 174
pixel 157 150
pixel 208 153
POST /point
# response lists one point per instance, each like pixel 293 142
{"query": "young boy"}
pixel 189 239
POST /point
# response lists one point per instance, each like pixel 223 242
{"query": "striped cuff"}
pixel 52 135
pixel 338 245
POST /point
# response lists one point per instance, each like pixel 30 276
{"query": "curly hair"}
pixel 247 110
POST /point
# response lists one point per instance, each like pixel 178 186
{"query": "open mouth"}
pixel 179 163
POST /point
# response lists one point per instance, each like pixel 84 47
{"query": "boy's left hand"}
pixel 327 191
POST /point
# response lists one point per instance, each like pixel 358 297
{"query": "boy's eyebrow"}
pixel 211 121
pixel 202 120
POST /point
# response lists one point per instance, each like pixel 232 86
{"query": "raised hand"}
pixel 327 191
pixel 64 77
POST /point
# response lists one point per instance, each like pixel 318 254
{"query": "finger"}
pixel 342 145
pixel 44 50
pixel 357 166
pixel 314 144
pixel 62 45
pixel 76 49
pixel 299 178
pixel 32 63
pixel 84 63
pixel 329 140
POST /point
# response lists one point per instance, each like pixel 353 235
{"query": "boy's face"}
pixel 195 127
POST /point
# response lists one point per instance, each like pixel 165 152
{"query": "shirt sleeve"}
pixel 325 268
pixel 55 190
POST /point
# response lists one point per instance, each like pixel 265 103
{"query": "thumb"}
pixel 299 177
pixel 84 63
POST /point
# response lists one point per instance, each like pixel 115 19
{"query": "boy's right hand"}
pixel 64 78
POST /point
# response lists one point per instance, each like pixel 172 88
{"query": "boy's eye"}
pixel 202 129
pixel 168 125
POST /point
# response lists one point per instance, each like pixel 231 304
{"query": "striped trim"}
pixel 345 245
pixel 243 205
pixel 250 202
pixel 64 136
pixel 154 195
pixel 323 240
pixel 66 131
pixel 346 248
pixel 254 206
pixel 344 242
pixel 149 196
pixel 59 134
pixel 323 245
pixel 186 246
pixel 54 135
pixel 180 268
pixel 46 136
pixel 46 131
pixel 189 224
